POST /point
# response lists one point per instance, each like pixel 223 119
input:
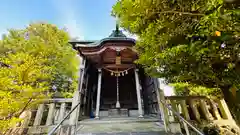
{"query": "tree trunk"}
pixel 228 95
pixel 231 102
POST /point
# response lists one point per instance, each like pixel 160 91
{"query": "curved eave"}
pixel 79 45
pixel 101 42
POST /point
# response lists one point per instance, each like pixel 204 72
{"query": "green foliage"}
pixel 178 42
pixel 185 89
pixel 32 61
pixel 192 42
pixel 220 129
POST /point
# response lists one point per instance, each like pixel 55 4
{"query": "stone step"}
pixel 131 133
pixel 109 120
pixel 119 127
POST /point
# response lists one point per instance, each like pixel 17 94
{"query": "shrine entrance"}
pixel 118 95
pixel 118 91
pixel 113 85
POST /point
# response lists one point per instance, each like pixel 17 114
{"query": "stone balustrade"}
pixel 197 110
pixel 42 119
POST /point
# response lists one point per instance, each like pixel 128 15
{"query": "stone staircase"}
pixel 121 126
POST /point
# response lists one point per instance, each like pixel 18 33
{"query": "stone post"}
pixel 215 109
pixel 205 110
pixel 74 114
pixel 50 116
pixel 184 109
pixel 185 114
pixel 163 109
pixel 77 96
pixel 26 117
pixel 139 100
pixel 224 109
pixel 98 93
pixel 38 117
pixel 193 106
pixel 61 116
pixel 175 108
pixel 62 111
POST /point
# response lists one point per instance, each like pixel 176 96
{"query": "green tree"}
pixel 32 61
pixel 192 42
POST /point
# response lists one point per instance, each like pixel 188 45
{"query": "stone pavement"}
pixel 121 126
pixel 130 133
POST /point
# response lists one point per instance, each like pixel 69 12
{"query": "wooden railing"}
pixel 42 120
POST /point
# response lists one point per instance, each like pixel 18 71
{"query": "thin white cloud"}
pixel 3 32
pixel 68 17
pixel 129 35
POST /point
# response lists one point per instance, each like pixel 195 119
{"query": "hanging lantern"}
pixel 111 73
pixel 126 72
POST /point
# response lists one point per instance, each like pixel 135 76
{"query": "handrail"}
pixel 181 118
pixel 59 124
pixel 80 88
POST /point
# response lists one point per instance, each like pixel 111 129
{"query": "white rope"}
pixel 117 90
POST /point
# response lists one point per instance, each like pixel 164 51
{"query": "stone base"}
pixel 133 113
pixel 97 118
pixel 103 113
pixel 140 117
pixel 174 127
pixel 118 112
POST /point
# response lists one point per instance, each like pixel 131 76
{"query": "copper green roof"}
pixel 116 35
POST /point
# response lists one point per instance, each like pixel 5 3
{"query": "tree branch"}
pixel 4 64
pixel 25 107
pixel 178 12
pixel 16 114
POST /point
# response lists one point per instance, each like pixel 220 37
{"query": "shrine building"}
pixel 111 84
pixel 115 91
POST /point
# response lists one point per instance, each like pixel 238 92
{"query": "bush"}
pixel 214 129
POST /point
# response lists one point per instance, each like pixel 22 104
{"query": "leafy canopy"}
pixel 186 41
pixel 32 61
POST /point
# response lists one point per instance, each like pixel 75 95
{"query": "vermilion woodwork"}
pixel 104 52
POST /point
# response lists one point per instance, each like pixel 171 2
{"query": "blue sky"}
pixel 86 19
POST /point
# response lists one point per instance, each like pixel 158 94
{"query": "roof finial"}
pixel 117 25
pixel 117 32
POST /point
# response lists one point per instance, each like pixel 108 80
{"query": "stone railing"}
pixel 198 110
pixel 45 117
